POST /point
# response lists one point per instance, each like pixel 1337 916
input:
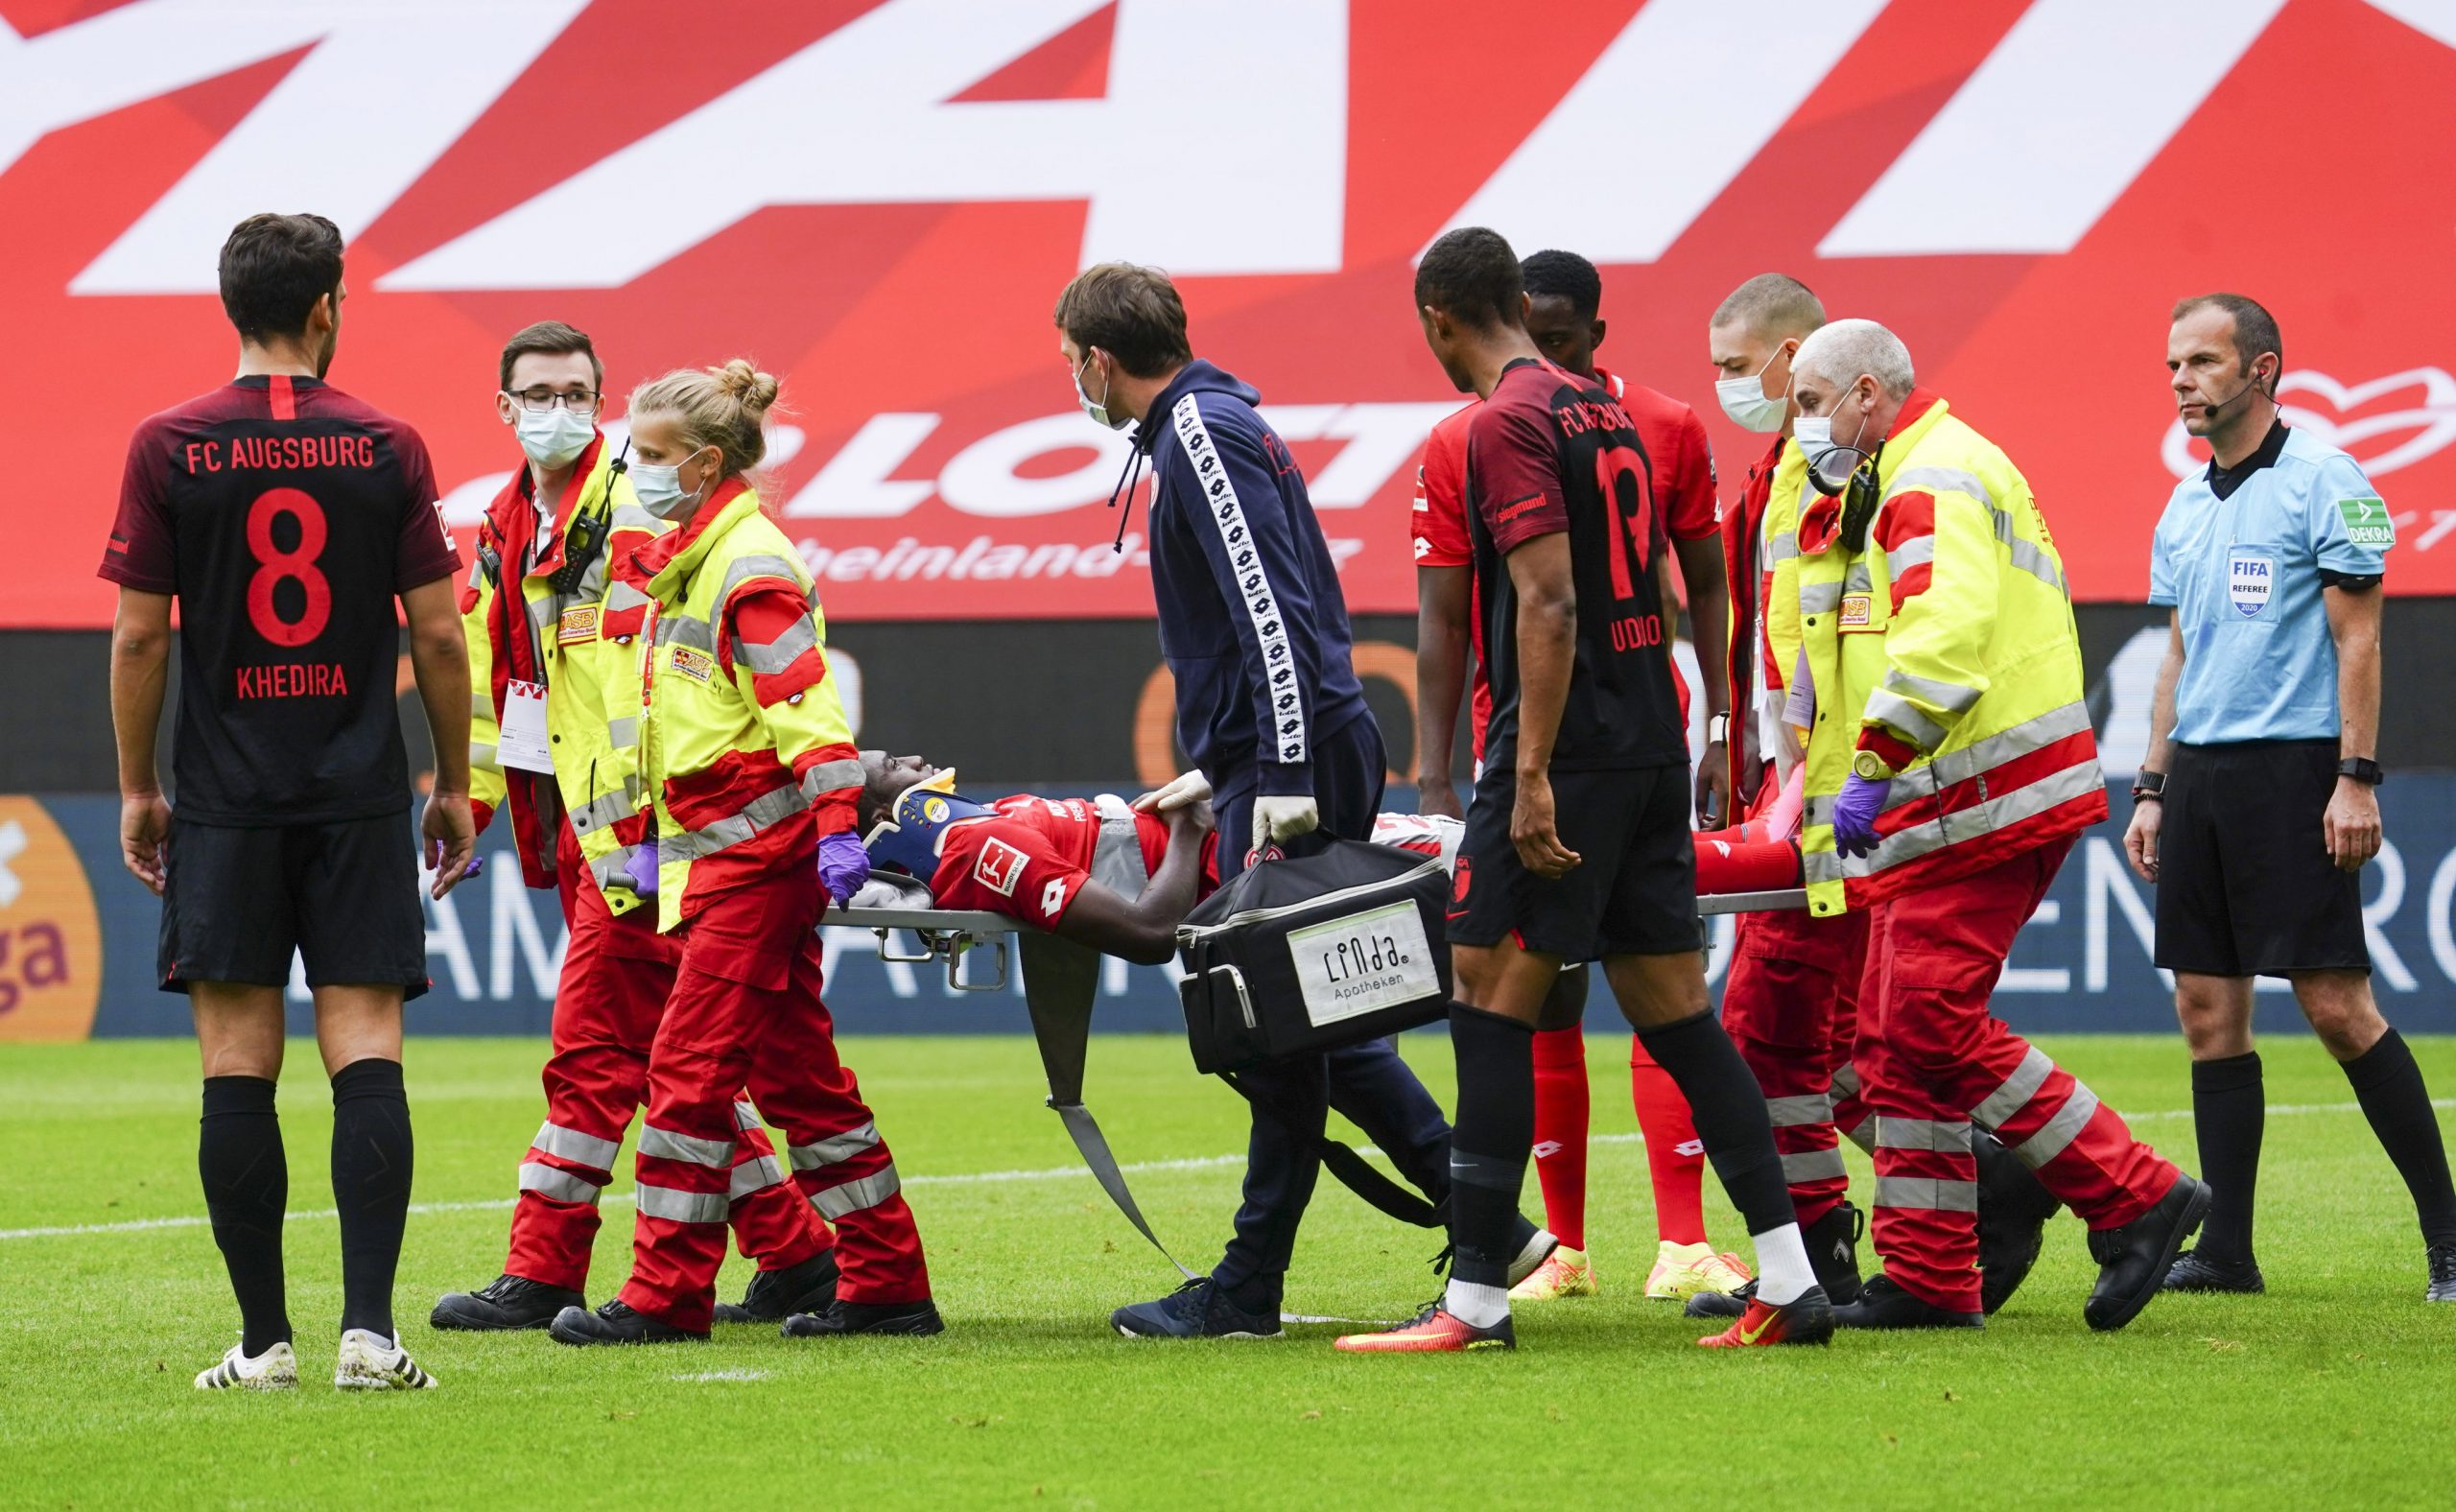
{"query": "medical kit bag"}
pixel 1313 952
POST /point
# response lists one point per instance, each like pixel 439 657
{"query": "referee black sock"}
pixel 371 1161
pixel 1729 1108
pixel 247 1190
pixel 1488 1143
pixel 2390 1088
pixel 2230 1114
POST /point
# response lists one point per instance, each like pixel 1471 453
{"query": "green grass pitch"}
pixel 2334 1390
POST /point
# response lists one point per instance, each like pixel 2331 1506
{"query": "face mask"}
pixel 1829 463
pixel 1098 410
pixel 1744 401
pixel 659 489
pixel 555 438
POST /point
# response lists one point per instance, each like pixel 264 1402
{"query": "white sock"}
pixel 1482 1307
pixel 1783 1270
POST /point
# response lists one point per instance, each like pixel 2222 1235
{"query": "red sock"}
pixel 1560 1131
pixel 1674 1156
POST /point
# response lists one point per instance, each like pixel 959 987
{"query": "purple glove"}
pixel 641 869
pixel 843 866
pixel 1854 814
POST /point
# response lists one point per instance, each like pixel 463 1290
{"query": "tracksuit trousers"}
pixel 1935 1059
pixel 616 975
pixel 745 1010
pixel 1791 1006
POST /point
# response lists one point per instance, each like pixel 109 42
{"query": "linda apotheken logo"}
pixel 2385 424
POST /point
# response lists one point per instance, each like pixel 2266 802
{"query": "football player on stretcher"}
pixel 1120 876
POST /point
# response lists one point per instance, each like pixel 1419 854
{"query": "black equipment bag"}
pixel 1310 954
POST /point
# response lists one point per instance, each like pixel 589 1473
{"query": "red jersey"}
pixel 1676 446
pixel 285 516
pixel 1031 861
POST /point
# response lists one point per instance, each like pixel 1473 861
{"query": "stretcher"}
pixel 1061 981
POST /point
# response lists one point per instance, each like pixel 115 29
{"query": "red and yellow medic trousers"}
pixel 1792 1007
pixel 1935 1059
pixel 616 975
pixel 748 981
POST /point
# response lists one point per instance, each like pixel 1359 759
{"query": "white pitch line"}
pixel 976 1178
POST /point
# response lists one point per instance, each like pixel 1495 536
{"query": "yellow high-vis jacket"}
pixel 746 755
pixel 1947 648
pixel 546 635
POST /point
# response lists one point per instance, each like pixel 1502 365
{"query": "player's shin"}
pixel 246 1189
pixel 1488 1145
pixel 372 1159
pixel 1732 1122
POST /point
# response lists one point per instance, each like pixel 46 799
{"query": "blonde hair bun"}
pixel 748 387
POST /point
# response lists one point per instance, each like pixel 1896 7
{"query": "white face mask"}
pixel 1098 410
pixel 555 436
pixel 659 489
pixel 1832 464
pixel 1744 401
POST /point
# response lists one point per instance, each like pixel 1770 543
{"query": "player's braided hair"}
pixel 721 407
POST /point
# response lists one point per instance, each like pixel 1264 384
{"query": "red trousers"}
pixel 1792 1005
pixel 1935 1060
pixel 616 975
pixel 746 1008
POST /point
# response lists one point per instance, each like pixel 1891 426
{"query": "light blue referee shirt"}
pixel 2244 571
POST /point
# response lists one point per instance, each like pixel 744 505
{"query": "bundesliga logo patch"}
pixel 694 663
pixel 999 869
pixel 579 624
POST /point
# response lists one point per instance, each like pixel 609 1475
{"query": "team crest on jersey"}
pixel 579 624
pixel 694 663
pixel 999 868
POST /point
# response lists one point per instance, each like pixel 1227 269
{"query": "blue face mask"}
pixel 659 489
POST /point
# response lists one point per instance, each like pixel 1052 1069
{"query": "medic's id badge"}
pixel 2249 578
pixel 694 663
pixel 1857 609
pixel 520 736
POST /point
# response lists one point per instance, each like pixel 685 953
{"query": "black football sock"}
pixel 1488 1143
pixel 372 1162
pixel 247 1190
pixel 2229 1114
pixel 2390 1088
pixel 1729 1109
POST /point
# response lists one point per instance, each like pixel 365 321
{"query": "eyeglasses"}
pixel 537 401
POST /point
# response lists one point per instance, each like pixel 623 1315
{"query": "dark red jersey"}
pixel 1030 860
pixel 1551 453
pixel 285 516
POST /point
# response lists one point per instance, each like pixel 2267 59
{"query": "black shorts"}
pixel 1634 891
pixel 2245 886
pixel 344 895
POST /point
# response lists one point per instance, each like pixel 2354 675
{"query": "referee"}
pixel 2255 811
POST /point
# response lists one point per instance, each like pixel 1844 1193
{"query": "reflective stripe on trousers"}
pixel 833 1149
pixel 755 1175
pixel 853 1196
pixel 568 1144
pixel 683 1207
pixel 658 1144
pixel 1928 1192
pixel 553 1181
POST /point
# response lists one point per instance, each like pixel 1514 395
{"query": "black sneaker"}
pixel 1725 1303
pixel 615 1323
pixel 1883 1305
pixel 2198 1271
pixel 506 1302
pixel 775 1295
pixel 2441 1258
pixel 840 1316
pixel 2133 1260
pixel 1834 1252
pixel 1196 1310
pixel 2013 1210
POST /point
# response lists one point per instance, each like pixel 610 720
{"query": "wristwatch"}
pixel 2362 770
pixel 1718 729
pixel 2149 785
pixel 1871 765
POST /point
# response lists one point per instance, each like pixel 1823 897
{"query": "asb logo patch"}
pixel 2249 578
pixel 50 943
pixel 1856 610
pixel 579 624
pixel 694 663
pixel 999 868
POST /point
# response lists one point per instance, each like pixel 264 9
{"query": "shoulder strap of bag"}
pixel 1359 1175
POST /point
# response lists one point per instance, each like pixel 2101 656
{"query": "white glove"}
pixel 1284 818
pixel 1187 788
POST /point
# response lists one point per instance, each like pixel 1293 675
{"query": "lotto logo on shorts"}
pixel 999 868
pixel 693 663
pixel 579 624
